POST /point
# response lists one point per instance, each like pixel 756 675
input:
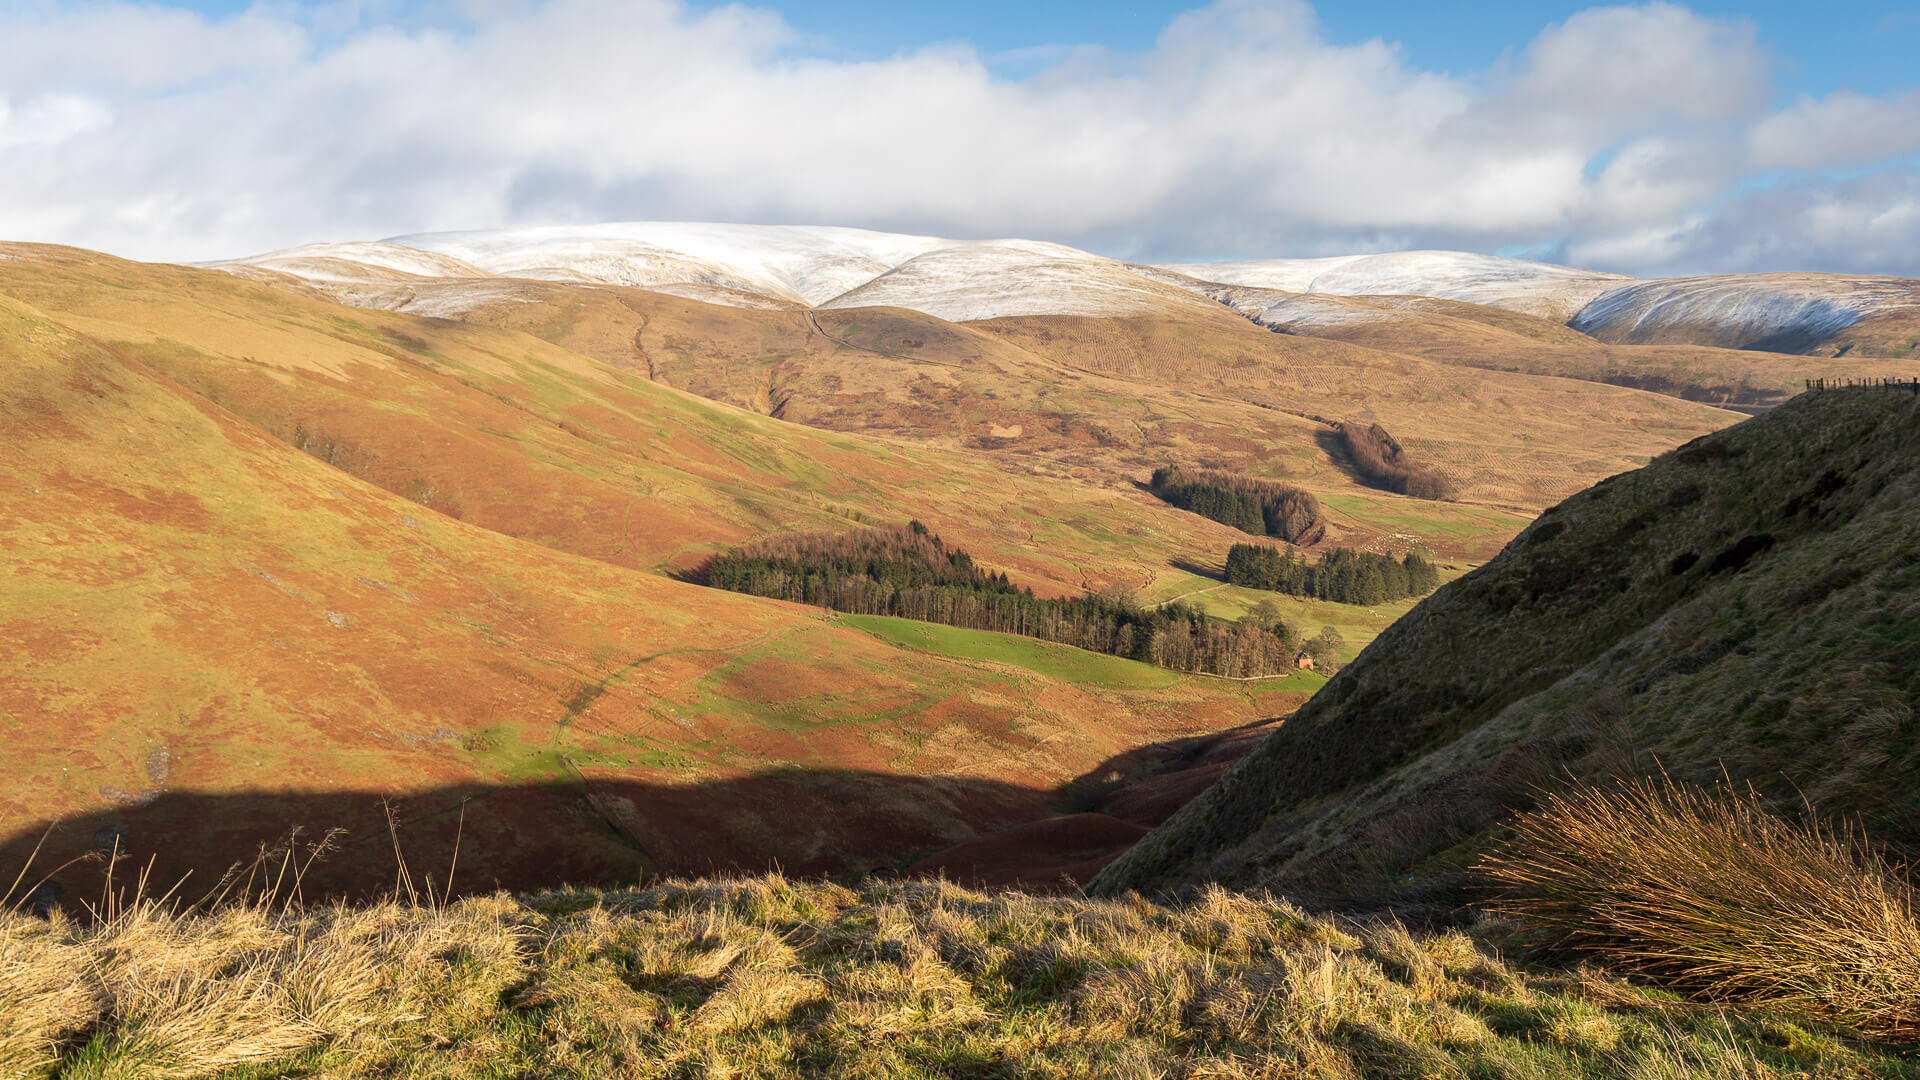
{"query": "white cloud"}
pixel 139 47
pixel 49 119
pixel 1608 71
pixel 1839 130
pixel 1660 177
pixel 1865 225
pixel 157 133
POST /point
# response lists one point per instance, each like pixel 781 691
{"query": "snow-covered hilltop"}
pixel 737 265
pixel 1015 277
pixel 1777 312
pixel 1533 288
pixel 778 266
pixel 807 265
pixel 370 261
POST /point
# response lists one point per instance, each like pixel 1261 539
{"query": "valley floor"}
pixel 771 977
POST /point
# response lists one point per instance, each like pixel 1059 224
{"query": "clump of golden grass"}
pixel 767 977
pixel 150 987
pixel 1710 891
pixel 189 995
pixel 45 996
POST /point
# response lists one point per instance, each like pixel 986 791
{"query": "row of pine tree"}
pixel 1342 575
pixel 1260 507
pixel 911 573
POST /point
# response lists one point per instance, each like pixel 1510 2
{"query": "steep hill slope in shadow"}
pixel 523 836
pixel 1747 604
pixel 600 828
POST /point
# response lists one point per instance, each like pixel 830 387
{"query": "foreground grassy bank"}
pixel 770 977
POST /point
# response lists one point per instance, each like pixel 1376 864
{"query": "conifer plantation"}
pixel 1381 461
pixel 1342 575
pixel 910 573
pixel 1260 507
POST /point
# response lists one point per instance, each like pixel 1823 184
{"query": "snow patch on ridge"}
pixel 1013 277
pixel 1784 312
pixel 452 299
pixel 780 267
pixel 358 261
pixel 1323 311
pixel 1533 288
pixel 802 264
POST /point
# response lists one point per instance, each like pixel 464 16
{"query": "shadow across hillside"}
pixel 1104 813
pixel 590 830
pixel 1198 569
pixel 525 836
pixel 1332 445
pixel 695 574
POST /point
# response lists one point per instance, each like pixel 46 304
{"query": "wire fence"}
pixel 1912 385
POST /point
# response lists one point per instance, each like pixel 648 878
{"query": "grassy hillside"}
pixel 1063 507
pixel 212 635
pixel 1893 335
pixel 508 432
pixel 274 557
pixel 1501 439
pixel 416 584
pixel 1747 604
pixel 1062 662
pixel 1103 400
pixel 766 977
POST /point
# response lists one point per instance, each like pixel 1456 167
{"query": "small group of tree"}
pixel 1260 507
pixel 790 566
pixel 1342 575
pixel 1325 648
pixel 1383 462
pixel 911 573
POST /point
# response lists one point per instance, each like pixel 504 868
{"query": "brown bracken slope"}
pixel 1104 399
pixel 213 636
pixel 269 558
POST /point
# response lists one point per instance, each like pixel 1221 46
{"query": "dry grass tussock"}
pixel 155 993
pixel 770 977
pixel 1711 892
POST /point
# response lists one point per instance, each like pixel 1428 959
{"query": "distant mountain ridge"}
pixel 1534 288
pixel 831 267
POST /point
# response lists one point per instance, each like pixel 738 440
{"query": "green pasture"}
pixel 1062 662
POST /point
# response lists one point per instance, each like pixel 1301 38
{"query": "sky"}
pixel 1650 139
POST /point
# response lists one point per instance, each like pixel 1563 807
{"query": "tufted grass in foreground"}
pixel 766 977
pixel 1710 891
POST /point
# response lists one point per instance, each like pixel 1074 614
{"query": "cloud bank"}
pixel 1641 139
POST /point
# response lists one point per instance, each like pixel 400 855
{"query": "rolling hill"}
pixel 829 267
pixel 1742 607
pixel 1474 335
pixel 1522 285
pixel 1100 367
pixel 419 520
pixel 1046 353
pixel 272 561
pixel 1799 313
